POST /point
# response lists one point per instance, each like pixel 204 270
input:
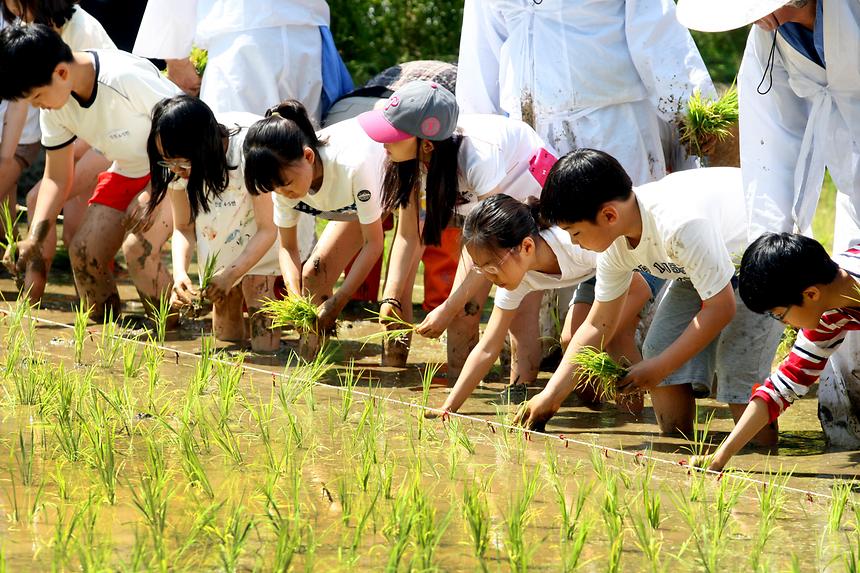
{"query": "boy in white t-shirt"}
pixel 106 98
pixel 685 228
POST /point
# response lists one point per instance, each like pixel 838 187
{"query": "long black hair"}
pixel 443 192
pixel 276 141
pixel 187 129
pixel 48 12
pixel 501 222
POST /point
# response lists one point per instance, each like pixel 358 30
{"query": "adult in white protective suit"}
pixel 799 90
pixel 261 52
pixel 584 74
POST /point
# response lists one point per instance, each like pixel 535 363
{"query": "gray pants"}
pixel 740 356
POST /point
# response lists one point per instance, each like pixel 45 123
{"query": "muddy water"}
pixel 339 466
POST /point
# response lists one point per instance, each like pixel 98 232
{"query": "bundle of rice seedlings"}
pixel 10 229
pixel 300 312
pixel 208 271
pixel 600 370
pixel 789 335
pixel 707 118
pixel 199 57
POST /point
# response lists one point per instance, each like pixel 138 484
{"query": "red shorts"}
pixel 117 191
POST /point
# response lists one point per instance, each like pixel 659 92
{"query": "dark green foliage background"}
pixel 375 34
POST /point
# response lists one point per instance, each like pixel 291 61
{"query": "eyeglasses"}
pixel 493 269
pixel 175 164
pixel 779 317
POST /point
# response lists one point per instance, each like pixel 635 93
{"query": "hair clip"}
pixel 275 113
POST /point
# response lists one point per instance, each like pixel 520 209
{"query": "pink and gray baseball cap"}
pixel 419 109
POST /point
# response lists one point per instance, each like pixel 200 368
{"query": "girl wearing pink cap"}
pixel 441 165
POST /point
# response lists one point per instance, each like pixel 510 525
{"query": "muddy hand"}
pixel 28 250
pixel 327 316
pixel 642 376
pixel 435 323
pixel 535 413
pixel 218 288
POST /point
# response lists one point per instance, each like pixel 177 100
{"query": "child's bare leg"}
pixel 228 320
pixel 395 352
pixel 463 332
pixel 339 242
pixel 525 340
pixel 256 288
pixel 91 252
pixel 142 250
pixel 675 408
pixel 87 170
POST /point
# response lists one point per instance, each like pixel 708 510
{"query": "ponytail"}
pixel 276 141
pixel 501 222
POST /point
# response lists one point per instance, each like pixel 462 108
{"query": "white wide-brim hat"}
pixel 723 15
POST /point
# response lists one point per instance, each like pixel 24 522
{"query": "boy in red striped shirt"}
pixel 792 279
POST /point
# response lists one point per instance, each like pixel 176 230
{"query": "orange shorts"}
pixel 117 191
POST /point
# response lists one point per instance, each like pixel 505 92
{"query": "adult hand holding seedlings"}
pixel 643 376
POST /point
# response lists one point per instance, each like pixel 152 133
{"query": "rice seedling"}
pixel 476 518
pixel 572 548
pixel 24 455
pixel 398 530
pixel 458 436
pixel 348 381
pixel 709 524
pixel 571 513
pixel 262 416
pixel 93 547
pixel 646 538
pixel 233 536
pixel 707 119
pixel 599 370
pixel 161 315
pixel 62 540
pixel 651 500
pixel 204 520
pixel 131 361
pixel 841 492
pixel 771 498
pixel 613 516
pixel 393 328
pixel 699 443
pixel 204 367
pixel 15 514
pixel 28 381
pixel 299 312
pixel 190 462
pixel 427 376
pixel 227 376
pixel 427 528
pixel 210 266
pixel 82 318
pixel 299 378
pixel 10 229
pixel 110 342
pixel 516 522
pixel 121 401
pixel 225 439
pixel 151 496
pixel 295 433
pixel 99 430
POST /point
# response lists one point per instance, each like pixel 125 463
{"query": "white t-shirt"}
pixel 230 222
pixel 352 179
pixel 83 32
pixel 495 154
pixel 694 224
pixel 118 116
pixel 576 264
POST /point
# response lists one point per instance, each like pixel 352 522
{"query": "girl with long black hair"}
pixel 196 162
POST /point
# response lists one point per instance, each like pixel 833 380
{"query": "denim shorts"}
pixel 739 357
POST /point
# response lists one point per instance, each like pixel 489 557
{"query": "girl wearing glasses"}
pixel 197 163
pixel 440 165
pixel 521 257
pixel 334 175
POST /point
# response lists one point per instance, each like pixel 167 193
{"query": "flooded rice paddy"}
pixel 127 450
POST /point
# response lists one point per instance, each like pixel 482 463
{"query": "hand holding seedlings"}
pixel 299 312
pixel 327 315
pixel 708 121
pixel 642 376
pixel 219 287
pixel 600 371
pixel 10 233
pixel 184 292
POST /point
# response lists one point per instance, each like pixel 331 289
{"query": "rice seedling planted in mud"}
pixel 707 119
pixel 398 531
pixel 151 496
pixel 299 312
pixel 771 498
pixel 82 318
pixel 841 492
pixel 233 537
pixel 110 342
pixel 599 370
pixel 476 518
pixel 517 520
pixel 393 328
